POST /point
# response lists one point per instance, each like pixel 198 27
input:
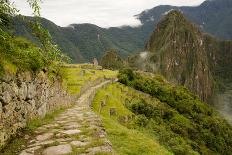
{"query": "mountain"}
pixel 83 42
pixel 213 16
pixel 177 51
pixel 111 60
pixel 21 27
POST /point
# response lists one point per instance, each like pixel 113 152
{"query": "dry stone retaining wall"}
pixel 26 96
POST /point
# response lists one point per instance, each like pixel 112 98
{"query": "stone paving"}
pixel 77 131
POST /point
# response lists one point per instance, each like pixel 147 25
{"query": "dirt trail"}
pixel 76 131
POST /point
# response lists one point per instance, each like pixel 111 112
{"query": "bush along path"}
pixel 75 131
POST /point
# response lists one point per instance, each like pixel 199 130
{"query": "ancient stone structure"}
pixel 77 130
pixel 26 96
pixel 95 62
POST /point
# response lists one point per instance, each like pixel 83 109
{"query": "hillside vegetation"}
pixel 111 60
pixel 117 119
pixel 17 54
pixel 83 42
pixel 177 117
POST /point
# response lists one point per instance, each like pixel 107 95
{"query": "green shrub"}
pixel 141 120
pixel 21 53
pixel 181 120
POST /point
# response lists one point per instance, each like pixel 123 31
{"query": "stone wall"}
pixel 26 96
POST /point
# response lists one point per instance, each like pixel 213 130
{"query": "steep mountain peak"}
pixel 177 52
pixel 173 14
pixel 174 18
pixel 174 28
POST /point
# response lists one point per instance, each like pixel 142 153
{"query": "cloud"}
pixel 104 13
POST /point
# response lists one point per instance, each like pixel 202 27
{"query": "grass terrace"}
pixel 76 76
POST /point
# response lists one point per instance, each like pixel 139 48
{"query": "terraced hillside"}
pixel 77 78
pixel 118 120
pixel 143 114
pixel 174 116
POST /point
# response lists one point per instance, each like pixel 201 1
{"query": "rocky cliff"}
pixel 176 50
pixel 220 55
pixel 27 96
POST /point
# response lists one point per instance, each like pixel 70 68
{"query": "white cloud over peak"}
pixel 104 13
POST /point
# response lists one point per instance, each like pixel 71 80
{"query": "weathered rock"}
pixel 31 91
pixel 5 98
pixel 22 91
pixel 79 143
pixel 0 112
pixel 176 50
pixel 72 126
pixel 58 150
pixel 33 149
pixel 113 112
pixel 42 143
pixel 25 97
pixel 14 88
pixel 99 149
pixel 25 153
pixel 44 137
pixel 42 110
pixel 71 132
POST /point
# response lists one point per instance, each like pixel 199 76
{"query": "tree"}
pixel 51 52
pixel 6 10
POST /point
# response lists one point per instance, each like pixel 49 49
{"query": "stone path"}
pixel 76 131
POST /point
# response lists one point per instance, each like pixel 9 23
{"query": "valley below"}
pixel 223 102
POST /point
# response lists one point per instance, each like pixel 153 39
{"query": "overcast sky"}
pixel 104 13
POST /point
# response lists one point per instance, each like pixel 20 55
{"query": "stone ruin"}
pixel 95 62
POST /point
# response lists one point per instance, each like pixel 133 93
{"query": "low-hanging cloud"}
pixel 104 13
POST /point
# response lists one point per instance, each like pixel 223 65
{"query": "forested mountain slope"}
pixel 83 42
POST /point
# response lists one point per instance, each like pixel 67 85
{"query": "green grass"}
pixel 37 122
pixel 130 141
pixel 113 98
pixel 124 140
pixel 77 76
